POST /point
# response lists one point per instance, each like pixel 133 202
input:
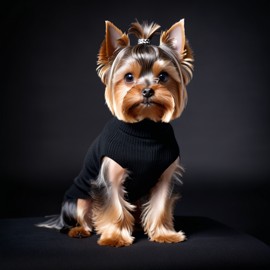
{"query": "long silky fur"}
pixel 66 220
pixel 157 220
pixel 103 201
pixel 100 188
pixel 111 214
pixel 183 63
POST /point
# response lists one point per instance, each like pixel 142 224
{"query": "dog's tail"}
pixel 63 222
pixel 54 222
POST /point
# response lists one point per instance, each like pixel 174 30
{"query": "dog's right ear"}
pixel 114 39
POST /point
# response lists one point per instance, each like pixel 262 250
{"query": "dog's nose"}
pixel 147 92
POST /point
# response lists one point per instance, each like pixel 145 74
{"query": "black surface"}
pixel 210 245
pixel 52 103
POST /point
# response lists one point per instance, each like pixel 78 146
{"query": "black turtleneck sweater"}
pixel 145 149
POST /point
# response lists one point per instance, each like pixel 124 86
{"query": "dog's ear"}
pixel 175 37
pixel 114 38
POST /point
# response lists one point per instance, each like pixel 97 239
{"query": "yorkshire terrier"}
pixel 131 168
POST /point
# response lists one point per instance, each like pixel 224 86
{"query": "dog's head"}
pixel 145 80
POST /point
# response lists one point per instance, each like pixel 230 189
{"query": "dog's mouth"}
pixel 158 107
pixel 147 103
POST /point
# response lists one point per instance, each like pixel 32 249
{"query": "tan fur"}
pixel 157 215
pixel 107 212
pixel 78 232
pixel 124 98
pixel 113 220
pixel 84 219
pixel 116 58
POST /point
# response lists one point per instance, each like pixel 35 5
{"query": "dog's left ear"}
pixel 175 37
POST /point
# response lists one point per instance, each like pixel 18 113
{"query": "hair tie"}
pixel 143 41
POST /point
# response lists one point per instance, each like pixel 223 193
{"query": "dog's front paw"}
pixel 115 240
pixel 168 237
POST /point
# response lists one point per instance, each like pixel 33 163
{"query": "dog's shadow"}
pixel 192 226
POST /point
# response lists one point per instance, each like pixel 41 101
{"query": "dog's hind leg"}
pixel 75 218
pixel 83 227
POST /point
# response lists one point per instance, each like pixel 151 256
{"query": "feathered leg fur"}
pixel 157 213
pixel 107 211
pixel 74 219
pixel 83 226
pixel 111 213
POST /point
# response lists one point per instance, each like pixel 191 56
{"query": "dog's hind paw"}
pixel 79 232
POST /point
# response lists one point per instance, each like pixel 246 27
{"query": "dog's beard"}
pixel 159 107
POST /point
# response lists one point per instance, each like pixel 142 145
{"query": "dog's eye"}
pixel 129 78
pixel 163 77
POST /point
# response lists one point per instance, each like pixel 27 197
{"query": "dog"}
pixel 130 170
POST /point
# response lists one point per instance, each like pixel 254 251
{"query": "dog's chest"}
pixel 145 150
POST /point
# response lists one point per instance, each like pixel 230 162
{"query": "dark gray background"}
pixel 52 103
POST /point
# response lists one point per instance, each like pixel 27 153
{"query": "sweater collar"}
pixel 145 128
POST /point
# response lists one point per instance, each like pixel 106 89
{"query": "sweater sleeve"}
pixel 81 186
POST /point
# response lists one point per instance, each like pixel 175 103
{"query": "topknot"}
pixel 143 31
